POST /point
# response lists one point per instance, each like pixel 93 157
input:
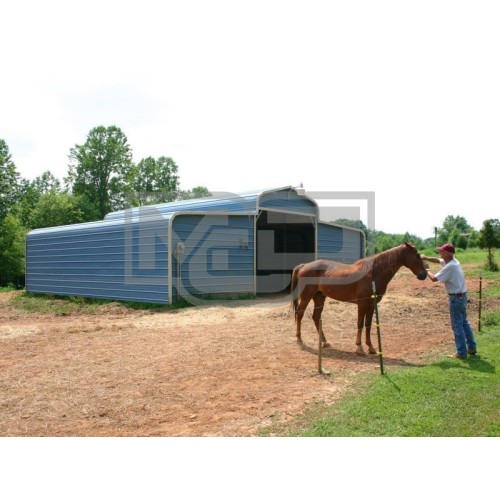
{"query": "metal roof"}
pixel 284 198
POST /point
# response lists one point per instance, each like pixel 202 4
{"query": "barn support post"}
pixel 379 336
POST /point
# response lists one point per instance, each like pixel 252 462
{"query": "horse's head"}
pixel 413 261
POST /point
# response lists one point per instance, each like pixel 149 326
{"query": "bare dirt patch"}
pixel 224 369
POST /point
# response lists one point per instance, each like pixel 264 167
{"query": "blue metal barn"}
pixel 225 244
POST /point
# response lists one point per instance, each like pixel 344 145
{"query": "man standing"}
pixel 453 278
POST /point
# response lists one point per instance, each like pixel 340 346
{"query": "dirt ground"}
pixel 224 369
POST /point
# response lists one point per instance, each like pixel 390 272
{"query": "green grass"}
pixel 64 306
pixel 490 319
pixel 446 397
pixel 472 256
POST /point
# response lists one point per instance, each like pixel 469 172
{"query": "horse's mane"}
pixel 387 259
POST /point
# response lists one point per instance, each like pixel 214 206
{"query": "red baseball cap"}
pixel 447 247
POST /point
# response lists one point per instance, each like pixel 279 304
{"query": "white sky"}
pixel 400 98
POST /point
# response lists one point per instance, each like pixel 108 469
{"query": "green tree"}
pixel 455 229
pixel 100 169
pixel 88 209
pixel 489 238
pixel 196 192
pixel 384 241
pixel 57 209
pixel 9 178
pixel 30 193
pixel 12 245
pixel 155 180
pixel 46 183
pixel 473 239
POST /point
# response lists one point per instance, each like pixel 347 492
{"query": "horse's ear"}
pixel 407 244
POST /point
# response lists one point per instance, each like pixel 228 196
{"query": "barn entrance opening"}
pixel 283 241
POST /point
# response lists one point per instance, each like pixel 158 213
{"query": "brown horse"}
pixel 350 283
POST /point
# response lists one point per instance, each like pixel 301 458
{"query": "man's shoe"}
pixel 472 352
pixel 457 356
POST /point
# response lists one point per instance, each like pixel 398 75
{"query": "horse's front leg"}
pixel 361 321
pixel 368 327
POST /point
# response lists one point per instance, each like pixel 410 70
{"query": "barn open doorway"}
pixel 283 241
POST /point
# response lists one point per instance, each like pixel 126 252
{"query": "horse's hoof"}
pixel 326 344
pixel 360 352
pixel 372 351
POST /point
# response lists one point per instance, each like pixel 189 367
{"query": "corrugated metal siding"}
pixel 339 243
pixel 287 200
pixel 121 260
pixel 127 256
pixel 218 254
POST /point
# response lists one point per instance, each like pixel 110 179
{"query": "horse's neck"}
pixel 385 266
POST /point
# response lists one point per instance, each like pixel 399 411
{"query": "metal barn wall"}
pixel 288 200
pixel 339 243
pixel 218 254
pixel 121 260
pixel 158 253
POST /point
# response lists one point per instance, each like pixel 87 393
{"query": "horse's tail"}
pixel 293 289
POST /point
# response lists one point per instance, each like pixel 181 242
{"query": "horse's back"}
pixel 323 267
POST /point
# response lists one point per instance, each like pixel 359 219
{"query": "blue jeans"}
pixel 464 338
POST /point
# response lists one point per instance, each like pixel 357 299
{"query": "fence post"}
pixel 379 337
pixel 320 347
pixel 480 300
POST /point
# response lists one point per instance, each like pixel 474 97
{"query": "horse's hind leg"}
pixel 299 314
pixel 319 303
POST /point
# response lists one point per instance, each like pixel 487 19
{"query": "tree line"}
pixel 454 229
pixel 101 178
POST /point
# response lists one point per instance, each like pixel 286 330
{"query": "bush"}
pixel 12 251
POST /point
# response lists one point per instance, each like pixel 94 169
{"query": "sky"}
pixel 400 99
